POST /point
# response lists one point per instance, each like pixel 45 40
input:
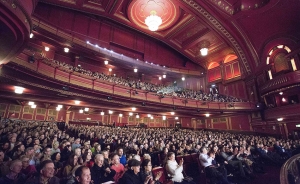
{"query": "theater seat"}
pixel 164 179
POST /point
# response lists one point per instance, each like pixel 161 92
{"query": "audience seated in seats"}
pixel 161 90
pixel 122 156
pixel 14 176
pixel 175 170
pixel 101 172
pixel 215 173
pixel 27 170
pixel 82 175
pixel 45 174
pixel 146 170
pixel 117 166
pixel 133 174
pixel 71 163
pixel 250 151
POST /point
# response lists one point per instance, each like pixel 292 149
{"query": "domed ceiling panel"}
pixel 139 10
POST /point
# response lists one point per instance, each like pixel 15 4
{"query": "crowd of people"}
pixel 42 152
pixel 160 89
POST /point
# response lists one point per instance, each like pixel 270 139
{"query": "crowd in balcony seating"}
pixel 42 152
pixel 161 90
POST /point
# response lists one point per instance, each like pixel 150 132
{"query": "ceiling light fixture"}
pixel 204 47
pixel 172 113
pixel 59 106
pixel 102 113
pixel 80 111
pixel 281 93
pixel 207 115
pixel 30 103
pixel 57 109
pixel 135 70
pixel 153 21
pixel 106 62
pixel 19 90
pixel 164 76
pixel 120 115
pixel 66 50
pixel 47 49
pixel 31 35
pixel 133 108
pixel 183 78
pixel 110 69
pixel 164 117
pixel 176 118
pixel 86 109
pixel 110 112
pixel 137 116
pixel 279 119
pixel 77 102
pixel 159 78
pixel 33 106
pixel 130 114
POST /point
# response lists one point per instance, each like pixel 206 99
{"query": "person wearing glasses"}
pixel 147 171
pixel 133 174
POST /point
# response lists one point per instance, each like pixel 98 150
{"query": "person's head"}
pixel 55 145
pixel 73 160
pixel 147 156
pixel 25 161
pixel 120 151
pixel 29 151
pixel 99 160
pixel 5 146
pixel 47 151
pixel 137 157
pixel 20 148
pixel 134 165
pixel 47 169
pixel 15 166
pixel 203 150
pixel 77 152
pixel 105 154
pixel 55 157
pixel 115 159
pixel 83 175
pixel 1 155
pixel 171 156
pixel 146 165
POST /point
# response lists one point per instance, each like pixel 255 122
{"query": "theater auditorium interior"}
pixel 162 73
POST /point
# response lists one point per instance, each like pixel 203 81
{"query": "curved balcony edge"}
pixel 281 81
pixel 289 167
pixel 74 78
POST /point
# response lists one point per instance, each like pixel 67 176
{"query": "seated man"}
pixel 45 174
pixel 210 170
pixel 100 171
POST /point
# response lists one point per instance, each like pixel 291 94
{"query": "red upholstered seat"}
pixel 164 177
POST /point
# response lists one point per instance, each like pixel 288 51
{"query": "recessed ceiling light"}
pixel 19 90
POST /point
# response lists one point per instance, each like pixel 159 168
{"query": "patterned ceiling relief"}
pixel 139 10
pixel 184 35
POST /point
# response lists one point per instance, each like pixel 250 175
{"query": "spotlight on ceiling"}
pixel 204 47
pixel 47 49
pixel 153 21
pixel 19 90
pixel 66 50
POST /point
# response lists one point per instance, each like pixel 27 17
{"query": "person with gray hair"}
pixel 101 172
pixel 14 176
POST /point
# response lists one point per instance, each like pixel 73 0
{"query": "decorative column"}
pixel 67 118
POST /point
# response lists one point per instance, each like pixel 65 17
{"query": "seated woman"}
pixel 147 171
pixel 57 163
pixel 71 163
pixel 175 170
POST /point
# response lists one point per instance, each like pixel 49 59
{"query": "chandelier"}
pixel 204 51
pixel 204 47
pixel 153 21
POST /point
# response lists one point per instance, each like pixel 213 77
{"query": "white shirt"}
pixel 205 160
pixel 174 170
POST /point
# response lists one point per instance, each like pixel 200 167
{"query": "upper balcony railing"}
pixel 82 80
pixel 281 81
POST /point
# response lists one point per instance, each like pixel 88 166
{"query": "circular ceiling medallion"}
pixel 139 10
